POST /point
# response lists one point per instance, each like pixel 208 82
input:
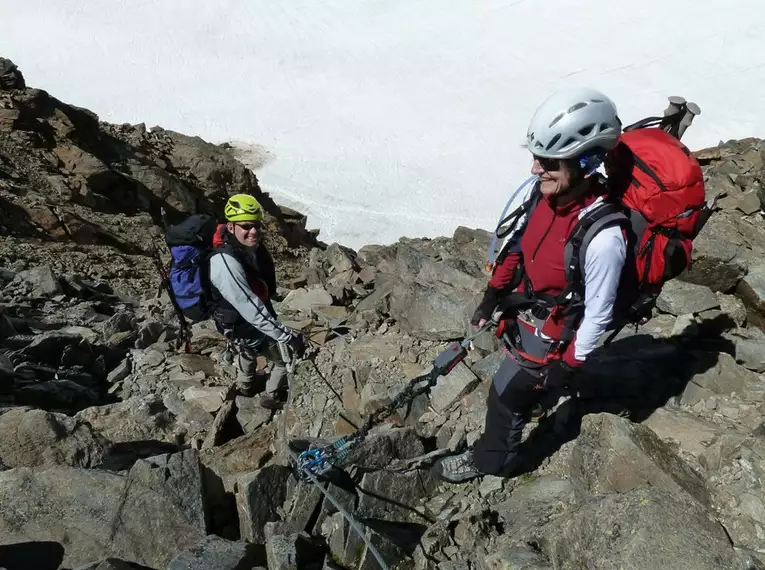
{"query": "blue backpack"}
pixel 190 243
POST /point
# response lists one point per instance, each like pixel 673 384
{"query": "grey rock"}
pixel 51 346
pixel 393 496
pixel 431 312
pixel 178 477
pixel 301 504
pixel 119 322
pixel 120 372
pixel 304 299
pixel 141 418
pixel 733 307
pixel 386 445
pixel 717 260
pixel 613 454
pixel 382 257
pixel 94 514
pixel 281 549
pixel 6 327
pixel 149 333
pixel 533 502
pixel 250 414
pixel 258 496
pixel 724 377
pixel 515 558
pixel 450 388
pixel 190 414
pixel 638 529
pixel 487 367
pixel 681 298
pixel 750 353
pixel 83 332
pixel 215 553
pixel 752 291
pixel 41 280
pixel 39 439
pixel 417 264
pixel 240 456
pixel 57 395
pixel 340 258
pixel 209 398
pixel 111 564
pixel 10 75
pixel 374 307
pixel 216 434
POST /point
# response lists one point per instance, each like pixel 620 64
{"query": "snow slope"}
pixel 382 118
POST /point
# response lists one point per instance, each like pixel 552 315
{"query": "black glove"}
pixel 298 344
pixel 558 375
pixel 486 307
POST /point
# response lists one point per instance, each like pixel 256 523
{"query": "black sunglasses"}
pixel 248 227
pixel 549 164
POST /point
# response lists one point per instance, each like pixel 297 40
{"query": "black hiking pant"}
pixel 514 391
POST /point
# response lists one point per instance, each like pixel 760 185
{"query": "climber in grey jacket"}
pixel 243 280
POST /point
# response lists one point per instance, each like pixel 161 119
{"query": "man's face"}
pixel 246 233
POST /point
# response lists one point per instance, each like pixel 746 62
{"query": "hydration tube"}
pixel 491 253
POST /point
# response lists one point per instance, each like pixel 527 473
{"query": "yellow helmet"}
pixel 243 208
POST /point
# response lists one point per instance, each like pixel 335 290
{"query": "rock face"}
pixel 642 528
pixel 140 517
pixel 613 454
pixel 34 438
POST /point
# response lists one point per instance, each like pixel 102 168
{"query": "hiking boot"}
pixel 457 468
pixel 270 402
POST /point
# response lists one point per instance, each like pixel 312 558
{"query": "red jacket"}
pixel 542 253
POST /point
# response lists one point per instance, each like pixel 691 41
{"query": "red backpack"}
pixel 657 195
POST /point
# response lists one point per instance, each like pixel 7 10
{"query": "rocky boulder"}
pixel 148 516
pixel 10 75
pixel 640 528
pixel 613 454
pixel 38 439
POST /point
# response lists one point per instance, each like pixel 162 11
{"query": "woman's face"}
pixel 554 175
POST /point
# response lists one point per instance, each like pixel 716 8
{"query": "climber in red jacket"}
pixel 550 337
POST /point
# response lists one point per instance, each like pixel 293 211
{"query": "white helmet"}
pixel 572 122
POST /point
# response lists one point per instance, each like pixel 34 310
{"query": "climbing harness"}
pixel 317 461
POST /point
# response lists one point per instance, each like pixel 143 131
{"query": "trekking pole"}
pixel 184 337
pixel 163 214
pixel 678 116
pixel 692 111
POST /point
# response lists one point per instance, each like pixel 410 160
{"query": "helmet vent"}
pixel 584 131
pixel 576 107
pixel 552 142
pixel 556 119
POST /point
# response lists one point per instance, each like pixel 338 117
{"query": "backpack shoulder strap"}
pixel 607 215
